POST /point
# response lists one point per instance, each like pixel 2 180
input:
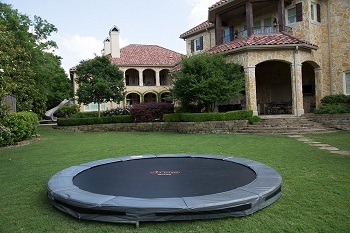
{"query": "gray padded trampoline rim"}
pixel 61 189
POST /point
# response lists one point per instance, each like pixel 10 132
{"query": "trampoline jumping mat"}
pixel 164 187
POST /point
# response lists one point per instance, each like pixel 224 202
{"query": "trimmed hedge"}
pixel 214 116
pixel 22 126
pixel 94 120
pixel 150 112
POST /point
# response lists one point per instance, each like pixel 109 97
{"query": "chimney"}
pixel 114 42
pixel 106 47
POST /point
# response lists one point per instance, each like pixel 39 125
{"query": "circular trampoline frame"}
pixel 241 201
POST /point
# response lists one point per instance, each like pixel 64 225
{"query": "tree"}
pixel 99 81
pixel 206 80
pixel 30 72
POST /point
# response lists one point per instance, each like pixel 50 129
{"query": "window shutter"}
pixel 201 43
pixel 192 46
pixel 318 12
pixel 299 11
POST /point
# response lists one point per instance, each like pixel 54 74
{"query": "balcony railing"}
pixel 256 30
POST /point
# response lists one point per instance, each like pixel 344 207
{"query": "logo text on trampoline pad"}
pixel 165 173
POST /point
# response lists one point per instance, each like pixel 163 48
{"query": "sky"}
pixel 83 25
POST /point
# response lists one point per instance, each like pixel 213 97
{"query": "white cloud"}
pixel 74 48
pixel 123 42
pixel 199 12
pixel 82 47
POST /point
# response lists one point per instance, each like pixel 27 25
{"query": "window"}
pixel 257 27
pixel 226 35
pixel 294 14
pixel 315 12
pixel 197 44
pixel 347 83
pixel 94 107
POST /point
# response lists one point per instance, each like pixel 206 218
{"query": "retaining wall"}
pixel 208 127
pixel 337 121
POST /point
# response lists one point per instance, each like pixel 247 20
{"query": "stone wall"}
pixel 216 127
pixel 337 121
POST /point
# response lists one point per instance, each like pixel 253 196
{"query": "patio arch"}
pixel 149 77
pixel 274 87
pixel 132 77
pixel 132 98
pixel 311 81
pixel 150 97
pixel 165 78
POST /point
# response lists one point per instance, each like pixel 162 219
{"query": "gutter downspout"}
pixel 330 64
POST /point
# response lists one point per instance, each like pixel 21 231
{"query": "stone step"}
pixel 285 125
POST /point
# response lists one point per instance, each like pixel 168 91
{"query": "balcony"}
pixel 236 35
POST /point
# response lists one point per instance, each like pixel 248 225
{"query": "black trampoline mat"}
pixel 164 177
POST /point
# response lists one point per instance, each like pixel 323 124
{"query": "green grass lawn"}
pixel 315 191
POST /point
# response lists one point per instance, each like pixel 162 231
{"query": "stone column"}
pixel 318 86
pixel 281 16
pixel 250 89
pixel 124 76
pixel 249 17
pixel 218 30
pixel 140 77
pixel 297 89
pixel 157 78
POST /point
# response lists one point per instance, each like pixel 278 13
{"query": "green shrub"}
pixel 94 120
pixel 336 99
pixel 85 114
pixel 238 115
pixel 116 112
pixel 67 110
pixel 254 119
pixel 214 116
pixel 6 137
pixel 334 104
pixel 174 117
pixel 333 109
pixel 21 124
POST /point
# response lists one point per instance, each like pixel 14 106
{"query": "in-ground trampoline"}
pixel 164 187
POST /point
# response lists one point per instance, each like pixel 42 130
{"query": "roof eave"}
pixel 267 47
pixel 196 32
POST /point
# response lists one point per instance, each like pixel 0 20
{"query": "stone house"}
pixel 146 71
pixel 294 52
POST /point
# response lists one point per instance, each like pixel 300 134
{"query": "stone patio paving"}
pixel 320 145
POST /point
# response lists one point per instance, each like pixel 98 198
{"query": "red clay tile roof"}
pixel 281 38
pixel 199 27
pixel 219 3
pixel 146 55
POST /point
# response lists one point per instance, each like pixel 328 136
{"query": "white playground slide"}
pixel 49 113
